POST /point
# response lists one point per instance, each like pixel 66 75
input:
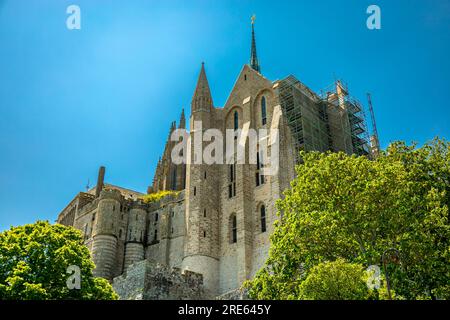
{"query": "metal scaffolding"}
pixel 330 121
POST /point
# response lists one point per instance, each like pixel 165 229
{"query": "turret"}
pixel 134 243
pixel 105 233
pixel 202 100
pixel 201 251
pixel 182 124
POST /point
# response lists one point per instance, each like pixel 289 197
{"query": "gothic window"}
pixel 156 236
pixel 156 216
pixel 204 213
pixel 263 218
pixel 236 120
pixel 204 234
pixel 233 235
pixel 195 191
pixel 263 111
pixel 232 184
pixel 258 176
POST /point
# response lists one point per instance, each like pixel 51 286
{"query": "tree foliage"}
pixel 353 208
pixel 335 280
pixel 33 264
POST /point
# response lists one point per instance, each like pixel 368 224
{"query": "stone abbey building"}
pixel 212 235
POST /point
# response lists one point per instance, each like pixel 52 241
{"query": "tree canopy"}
pixel 34 262
pixel 335 280
pixel 352 208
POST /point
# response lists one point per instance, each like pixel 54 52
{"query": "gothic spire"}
pixel 182 123
pixel 253 56
pixel 202 99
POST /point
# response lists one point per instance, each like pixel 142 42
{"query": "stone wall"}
pixel 146 280
pixel 237 294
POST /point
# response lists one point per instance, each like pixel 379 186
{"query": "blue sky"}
pixel 72 100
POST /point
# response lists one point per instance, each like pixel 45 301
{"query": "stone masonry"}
pixel 212 235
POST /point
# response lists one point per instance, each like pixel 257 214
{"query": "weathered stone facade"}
pixel 218 225
pixel 145 280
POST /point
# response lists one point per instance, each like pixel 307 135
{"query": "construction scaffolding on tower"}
pixel 348 127
pixel 306 116
pixel 332 120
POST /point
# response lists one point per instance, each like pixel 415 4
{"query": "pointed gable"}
pixel 248 83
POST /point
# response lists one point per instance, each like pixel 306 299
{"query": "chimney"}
pixel 100 179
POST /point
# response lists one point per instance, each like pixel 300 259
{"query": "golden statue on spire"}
pixel 253 18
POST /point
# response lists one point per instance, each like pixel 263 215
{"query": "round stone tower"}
pixel 134 245
pixel 105 233
pixel 201 249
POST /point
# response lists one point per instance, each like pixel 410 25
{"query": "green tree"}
pixel 335 280
pixel 34 259
pixel 350 207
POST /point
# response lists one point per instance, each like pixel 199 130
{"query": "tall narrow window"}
pixel 174 179
pixel 263 218
pixel 232 184
pixel 259 177
pixel 233 229
pixel 236 120
pixel 263 111
pixel 156 236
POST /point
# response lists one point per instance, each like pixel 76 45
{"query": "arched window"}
pixel 236 120
pixel 233 225
pixel 263 111
pixel 263 218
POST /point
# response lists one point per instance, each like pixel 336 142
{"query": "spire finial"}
pixel 182 124
pixel 253 56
